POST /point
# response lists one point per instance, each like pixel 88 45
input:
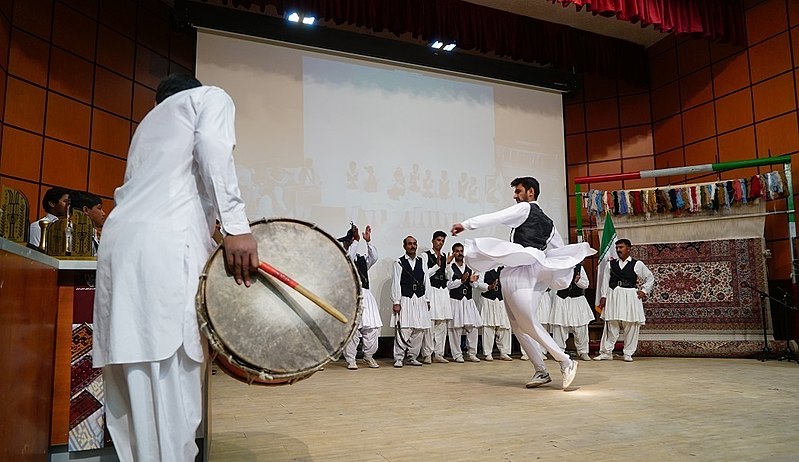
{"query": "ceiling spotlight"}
pixel 294 17
pixel 308 20
pixel 449 47
pixel 437 44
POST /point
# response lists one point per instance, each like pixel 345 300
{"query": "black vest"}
pixel 489 278
pixel 439 278
pixel 535 230
pixel 412 280
pixel 623 277
pixel 572 291
pixel 363 271
pixel 465 289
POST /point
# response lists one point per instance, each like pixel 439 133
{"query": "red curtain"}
pixel 714 19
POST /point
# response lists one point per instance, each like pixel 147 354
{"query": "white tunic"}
pixel 623 304
pixel 554 266
pixel 492 312
pixel 571 311
pixel 464 311
pixel 179 178
pixel 414 311
pixel 440 308
pixel 371 312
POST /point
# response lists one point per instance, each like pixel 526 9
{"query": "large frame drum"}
pixel 268 333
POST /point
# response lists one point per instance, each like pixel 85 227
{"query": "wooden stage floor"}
pixel 653 409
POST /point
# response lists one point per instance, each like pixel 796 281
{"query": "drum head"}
pixel 269 330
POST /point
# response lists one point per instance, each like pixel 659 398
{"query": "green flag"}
pixel 607 252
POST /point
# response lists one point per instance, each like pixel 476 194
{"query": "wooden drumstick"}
pixel 266 268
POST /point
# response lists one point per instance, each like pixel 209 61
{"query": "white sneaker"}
pixel 525 357
pixel 472 359
pixel 352 366
pixel 568 374
pixel 458 360
pixel 488 358
pixel 414 362
pixel 398 363
pixel 603 357
pixel 440 359
pixel 370 361
pixel 539 378
pixel 505 357
pixel 628 358
pixel 585 357
pixel 427 360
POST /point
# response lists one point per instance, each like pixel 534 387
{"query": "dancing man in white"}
pixel 535 260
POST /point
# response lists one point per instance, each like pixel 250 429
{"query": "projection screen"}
pixel 332 139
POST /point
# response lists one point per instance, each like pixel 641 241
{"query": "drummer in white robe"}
pixel 440 308
pixel 179 178
pixel 370 325
pixel 535 260
pixel 496 324
pixel 461 282
pixel 622 301
pixel 410 285
pixel 571 313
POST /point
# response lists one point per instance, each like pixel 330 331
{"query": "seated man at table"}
pixel 56 204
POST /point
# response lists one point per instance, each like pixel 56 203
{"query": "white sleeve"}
pixel 604 284
pixel 396 291
pixel 643 272
pixel 512 216
pixel 214 140
pixel 554 241
pixel 481 283
pixel 371 254
pixel 450 283
pixel 432 270
pixel 428 287
pixel 583 282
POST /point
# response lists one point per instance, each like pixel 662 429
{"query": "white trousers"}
pixel 369 336
pixel 611 333
pixel 561 333
pixel 522 293
pixel 454 334
pixel 153 409
pixel 503 340
pixel 428 344
pixel 438 336
pixel 414 337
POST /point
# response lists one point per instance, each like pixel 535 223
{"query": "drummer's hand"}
pixel 602 302
pixel 396 308
pixel 457 228
pixel 241 255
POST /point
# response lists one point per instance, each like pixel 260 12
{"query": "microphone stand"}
pixel 766 352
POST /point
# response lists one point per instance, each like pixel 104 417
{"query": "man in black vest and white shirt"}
pixel 622 301
pixel 440 308
pixel 369 329
pixel 461 281
pixel 535 260
pixel 409 288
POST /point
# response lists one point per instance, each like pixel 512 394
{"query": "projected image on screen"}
pixel 331 140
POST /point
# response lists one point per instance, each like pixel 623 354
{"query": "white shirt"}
pixel 371 253
pixel 640 270
pixel 179 179
pixel 457 283
pixel 396 290
pixel 512 216
pixel 35 229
